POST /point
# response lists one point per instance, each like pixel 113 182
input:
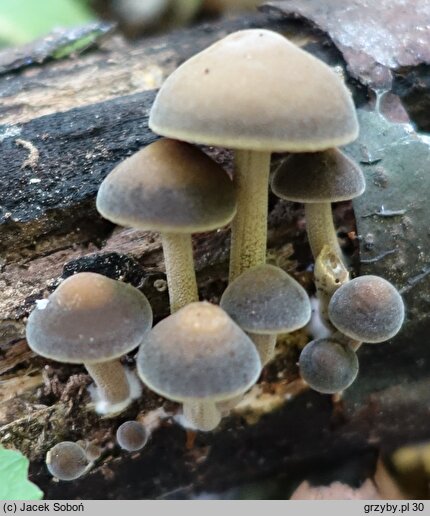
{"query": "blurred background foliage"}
pixel 22 21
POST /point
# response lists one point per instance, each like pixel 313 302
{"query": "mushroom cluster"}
pixel 206 356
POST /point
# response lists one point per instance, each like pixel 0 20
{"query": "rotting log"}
pixel 65 126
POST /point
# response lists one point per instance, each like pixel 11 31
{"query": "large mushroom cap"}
pixel 368 309
pixel 327 176
pixel 89 319
pixel 265 299
pixel 168 186
pixel 198 353
pixel 255 90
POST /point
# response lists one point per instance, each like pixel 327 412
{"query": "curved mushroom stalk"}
pixel 249 227
pixel 203 415
pixel 265 345
pixel 116 386
pixel 320 228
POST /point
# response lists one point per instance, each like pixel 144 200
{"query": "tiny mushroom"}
pixel 199 356
pixel 132 436
pixel 93 320
pixel 328 366
pixel 318 179
pixel 295 103
pixel 367 309
pixel 67 461
pixel 176 189
pixel 265 301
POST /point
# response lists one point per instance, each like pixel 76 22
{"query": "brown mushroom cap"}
pixel 168 186
pixel 327 176
pixel 255 90
pixel 368 309
pixel 266 300
pixel 198 353
pixel 66 460
pixel 89 319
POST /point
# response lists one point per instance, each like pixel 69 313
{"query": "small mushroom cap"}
pixel 168 186
pixel 198 353
pixel 327 176
pixel 255 90
pixel 266 300
pixel 328 366
pixel 89 319
pixel 132 436
pixel 66 461
pixel 368 309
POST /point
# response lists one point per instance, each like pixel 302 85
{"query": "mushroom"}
pixel 265 301
pixel 93 320
pixel 367 309
pixel 257 93
pixel 176 189
pixel 67 461
pixel 198 356
pixel 132 436
pixel 318 179
pixel 328 366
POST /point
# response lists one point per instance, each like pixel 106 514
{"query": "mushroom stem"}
pixel 179 263
pixel 330 274
pixel 320 228
pixel 203 415
pixel 265 345
pixel 249 227
pixel 111 380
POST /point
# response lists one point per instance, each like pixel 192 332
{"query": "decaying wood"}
pixel 66 124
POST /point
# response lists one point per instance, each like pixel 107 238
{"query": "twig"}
pixel 33 154
pixel 379 257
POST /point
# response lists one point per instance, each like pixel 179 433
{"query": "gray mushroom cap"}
pixel 132 436
pixel 198 353
pixel 327 176
pixel 169 186
pixel 254 89
pixel 66 461
pixel 89 319
pixel 266 300
pixel 368 309
pixel 328 366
